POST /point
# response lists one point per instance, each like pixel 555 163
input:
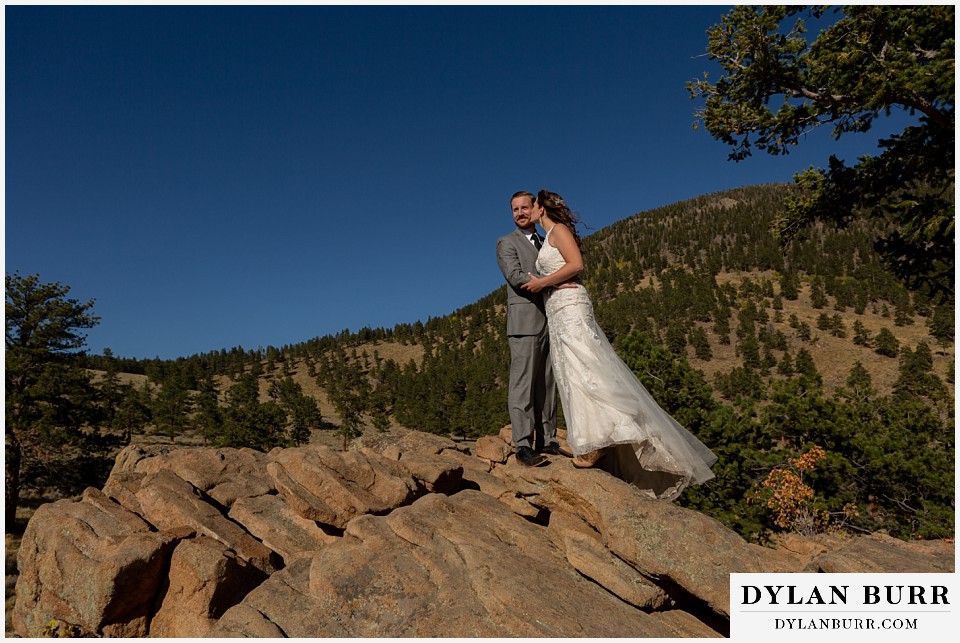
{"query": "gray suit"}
pixel 532 396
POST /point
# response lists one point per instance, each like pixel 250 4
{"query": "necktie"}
pixel 536 241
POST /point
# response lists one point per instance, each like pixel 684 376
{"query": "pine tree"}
pixel 860 298
pixel 916 373
pixel 785 366
pixel 249 423
pixel 208 417
pixel 676 338
pixel 303 414
pixel 818 295
pixel 721 328
pixel 49 397
pixel 861 336
pixel 886 343
pixel 859 385
pixel 837 327
pixel 743 385
pixel 941 324
pixel 768 361
pixel 171 406
pixel 789 286
pixel 807 369
pixel 762 315
pixel 901 317
pixel 700 343
pixel 750 352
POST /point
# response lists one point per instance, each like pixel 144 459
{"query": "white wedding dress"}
pixel 605 405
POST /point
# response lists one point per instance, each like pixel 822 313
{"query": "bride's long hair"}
pixel 559 212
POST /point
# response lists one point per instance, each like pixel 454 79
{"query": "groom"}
pixel 532 396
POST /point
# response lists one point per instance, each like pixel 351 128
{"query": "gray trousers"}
pixel 532 397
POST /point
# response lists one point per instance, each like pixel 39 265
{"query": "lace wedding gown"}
pixel 605 405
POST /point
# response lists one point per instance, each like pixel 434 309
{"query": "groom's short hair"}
pixel 533 197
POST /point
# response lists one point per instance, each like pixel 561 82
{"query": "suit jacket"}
pixel 517 257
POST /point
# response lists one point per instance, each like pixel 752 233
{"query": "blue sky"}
pixel 251 176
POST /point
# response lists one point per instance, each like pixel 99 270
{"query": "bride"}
pixel 613 422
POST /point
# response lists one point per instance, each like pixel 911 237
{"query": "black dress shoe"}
pixel 527 457
pixel 554 449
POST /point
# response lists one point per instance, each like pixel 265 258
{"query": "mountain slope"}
pixel 766 355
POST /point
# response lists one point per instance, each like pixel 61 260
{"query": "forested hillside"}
pixel 825 387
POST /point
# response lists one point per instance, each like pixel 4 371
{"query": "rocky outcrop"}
pixel 91 566
pixel 333 488
pixel 404 535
